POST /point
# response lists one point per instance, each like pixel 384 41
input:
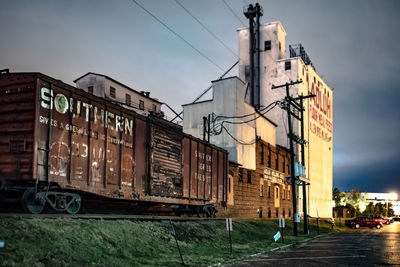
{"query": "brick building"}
pixel 262 192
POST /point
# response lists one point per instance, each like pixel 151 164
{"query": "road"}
pixel 362 247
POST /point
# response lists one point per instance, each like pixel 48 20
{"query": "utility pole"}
pixel 292 102
pixel 303 163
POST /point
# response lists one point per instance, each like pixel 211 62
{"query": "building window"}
pixel 141 104
pixel 277 161
pixel 112 92
pixel 269 212
pixel 288 195
pixel 128 99
pixel 288 65
pixel 90 90
pixel 229 184
pixel 261 190
pixel 240 175
pixel 277 192
pixel 290 213
pixel 262 155
pixel 276 212
pixel 249 177
pixel 283 212
pixel 267 45
pixel 284 164
pixel 269 191
pixel 269 157
pixel 247 73
pixel 283 194
pixel 280 46
pixel 154 108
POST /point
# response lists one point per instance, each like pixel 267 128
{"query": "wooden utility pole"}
pixel 292 102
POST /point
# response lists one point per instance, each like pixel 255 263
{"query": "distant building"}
pixel 103 86
pixel 383 198
pixel 277 69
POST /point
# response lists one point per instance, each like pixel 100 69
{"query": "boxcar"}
pixel 58 142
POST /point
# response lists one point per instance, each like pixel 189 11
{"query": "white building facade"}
pixel 277 69
pixel 106 87
pixel 235 123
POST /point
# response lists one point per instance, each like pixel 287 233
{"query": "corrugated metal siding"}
pixel 16 126
pixel 166 162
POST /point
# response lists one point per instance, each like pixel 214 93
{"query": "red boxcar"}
pixel 57 142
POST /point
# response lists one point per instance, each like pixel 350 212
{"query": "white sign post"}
pixel 281 226
pixel 229 229
pixel 297 217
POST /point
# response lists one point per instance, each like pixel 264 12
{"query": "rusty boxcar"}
pixel 58 142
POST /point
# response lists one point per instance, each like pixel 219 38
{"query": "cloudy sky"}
pixel 352 44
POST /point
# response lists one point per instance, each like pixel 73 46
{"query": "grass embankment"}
pixel 69 242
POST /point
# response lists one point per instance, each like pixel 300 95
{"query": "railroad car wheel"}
pixel 200 211
pixel 74 207
pixel 31 203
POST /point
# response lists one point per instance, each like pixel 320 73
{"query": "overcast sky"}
pixel 352 44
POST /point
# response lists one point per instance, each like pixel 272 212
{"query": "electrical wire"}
pixel 243 116
pixel 233 12
pixel 221 126
pixel 205 27
pixel 237 140
pixel 178 35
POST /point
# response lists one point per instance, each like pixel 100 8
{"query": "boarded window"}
pixel 262 155
pixel 154 108
pixel 112 92
pixel 90 89
pixel 141 104
pixel 269 157
pixel 249 177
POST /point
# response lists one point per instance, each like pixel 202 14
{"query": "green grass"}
pixel 69 242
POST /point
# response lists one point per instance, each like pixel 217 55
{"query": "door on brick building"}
pixel 276 196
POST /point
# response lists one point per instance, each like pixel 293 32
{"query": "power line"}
pixel 178 35
pixel 208 30
pixel 233 12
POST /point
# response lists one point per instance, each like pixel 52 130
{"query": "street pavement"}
pixel 356 247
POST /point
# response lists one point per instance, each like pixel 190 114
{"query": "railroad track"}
pixel 107 217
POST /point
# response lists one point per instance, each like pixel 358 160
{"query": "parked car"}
pixel 389 220
pixel 365 222
pixel 396 219
pixel 379 219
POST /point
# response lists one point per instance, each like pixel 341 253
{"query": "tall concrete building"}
pixel 240 116
pixel 275 69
